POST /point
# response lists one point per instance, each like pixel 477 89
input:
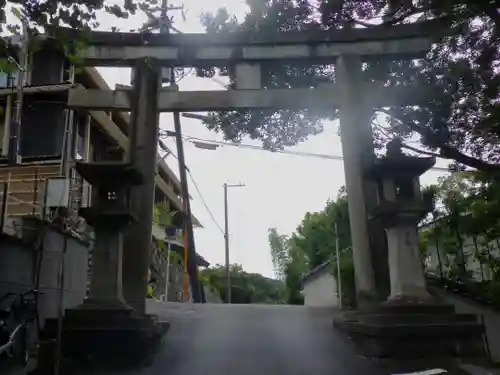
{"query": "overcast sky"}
pixel 279 189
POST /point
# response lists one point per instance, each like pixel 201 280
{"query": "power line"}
pixel 286 152
pixel 196 187
pixel 203 200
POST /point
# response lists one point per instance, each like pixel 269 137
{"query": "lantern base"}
pixel 412 331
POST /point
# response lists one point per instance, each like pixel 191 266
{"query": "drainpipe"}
pixel 7 124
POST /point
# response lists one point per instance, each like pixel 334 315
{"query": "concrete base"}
pixel 103 338
pixel 414 331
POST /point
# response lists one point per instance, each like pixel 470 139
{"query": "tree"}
pixel 41 16
pixel 75 14
pixel 161 214
pixel 279 245
pixel 245 287
pixel 290 265
pixel 467 209
pixel 315 235
pixel 459 123
pixel 312 244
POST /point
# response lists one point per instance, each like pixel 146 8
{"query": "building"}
pixel 445 252
pixel 319 287
pixel 51 139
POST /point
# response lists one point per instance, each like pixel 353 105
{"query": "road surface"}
pixel 253 340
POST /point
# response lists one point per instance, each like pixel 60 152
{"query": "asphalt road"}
pixel 253 340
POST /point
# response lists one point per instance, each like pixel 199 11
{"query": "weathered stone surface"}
pixel 122 49
pixel 144 120
pixel 322 97
pixel 109 338
pixel 413 331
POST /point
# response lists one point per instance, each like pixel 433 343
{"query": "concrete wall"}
pixel 321 290
pixel 17 270
pixel 491 318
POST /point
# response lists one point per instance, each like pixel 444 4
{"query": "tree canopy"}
pixel 245 287
pixel 464 234
pixel 459 123
pixel 75 14
pixel 466 210
pixel 312 244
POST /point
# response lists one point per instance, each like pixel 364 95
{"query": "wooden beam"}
pixel 122 49
pixel 327 96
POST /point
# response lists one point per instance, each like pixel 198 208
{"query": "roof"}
pixel 311 275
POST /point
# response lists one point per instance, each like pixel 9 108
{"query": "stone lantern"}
pixel 411 323
pixel 400 208
pixel 104 327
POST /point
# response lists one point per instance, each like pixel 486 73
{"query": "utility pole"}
pixel 226 247
pixel 164 24
pixel 226 242
pixel 190 262
pixel 15 135
pixel 337 251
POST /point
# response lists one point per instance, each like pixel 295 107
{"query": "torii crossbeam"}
pixel 123 49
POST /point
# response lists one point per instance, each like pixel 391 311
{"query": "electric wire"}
pixel 196 186
pixel 286 152
pixel 203 201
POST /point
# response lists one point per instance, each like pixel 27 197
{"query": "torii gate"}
pixel 147 54
pixel 245 52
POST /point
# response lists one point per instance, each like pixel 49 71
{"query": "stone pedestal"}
pixel 105 330
pixel 407 280
pixel 410 323
pixel 411 331
pixel 104 337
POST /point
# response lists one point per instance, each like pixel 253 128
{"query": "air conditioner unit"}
pixel 55 193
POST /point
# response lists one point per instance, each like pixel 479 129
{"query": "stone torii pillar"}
pixel 356 136
pixel 358 150
pixel 143 151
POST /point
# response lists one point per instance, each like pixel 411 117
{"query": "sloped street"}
pixel 253 339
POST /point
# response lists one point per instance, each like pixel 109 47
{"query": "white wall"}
pixel 321 290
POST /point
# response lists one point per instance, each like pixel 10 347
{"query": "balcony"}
pixel 36 191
